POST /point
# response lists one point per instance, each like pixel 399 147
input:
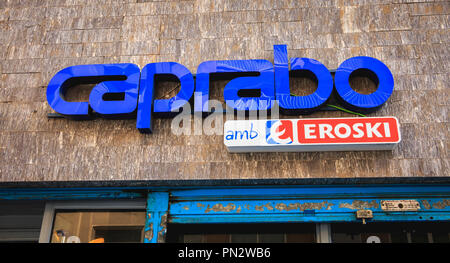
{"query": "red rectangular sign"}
pixel 348 130
pixel 309 135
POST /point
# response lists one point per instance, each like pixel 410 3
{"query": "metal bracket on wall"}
pixel 364 214
pixel 400 205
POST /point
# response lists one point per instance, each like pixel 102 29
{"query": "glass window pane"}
pixel 217 238
pixel 300 237
pixel 441 237
pixel 20 221
pixel 98 226
pixel 243 238
pixel 119 234
pixel 271 238
pixel 193 238
pixel 242 233
pixel 391 232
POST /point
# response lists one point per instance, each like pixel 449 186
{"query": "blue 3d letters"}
pixel 124 91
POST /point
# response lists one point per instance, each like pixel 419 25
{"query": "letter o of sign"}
pixel 363 102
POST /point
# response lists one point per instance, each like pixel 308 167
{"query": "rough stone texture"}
pixel 40 37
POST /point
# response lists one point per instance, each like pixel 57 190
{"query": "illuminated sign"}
pixel 306 135
pixel 135 88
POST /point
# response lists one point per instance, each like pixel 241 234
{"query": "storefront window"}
pixel 20 221
pixel 98 227
pixel 241 233
pixel 396 232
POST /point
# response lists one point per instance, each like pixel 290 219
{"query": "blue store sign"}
pixel 136 87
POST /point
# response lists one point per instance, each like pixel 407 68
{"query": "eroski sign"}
pixel 304 135
pixel 125 91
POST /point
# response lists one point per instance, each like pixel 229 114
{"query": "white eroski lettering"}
pixel 337 130
pixel 325 129
pixel 387 131
pixel 359 132
pixel 309 129
pixel 373 130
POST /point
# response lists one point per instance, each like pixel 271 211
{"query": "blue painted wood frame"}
pixel 314 203
pixel 69 194
pixel 306 204
pixel 156 217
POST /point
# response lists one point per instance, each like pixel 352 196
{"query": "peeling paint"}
pixel 200 205
pixel 162 236
pixel 186 207
pixel 358 204
pixel 442 204
pixel 163 231
pixel 261 207
pixel 149 233
pixel 303 207
pixel 426 204
pixel 220 208
pixel 282 206
pixel 164 220
pixel 239 209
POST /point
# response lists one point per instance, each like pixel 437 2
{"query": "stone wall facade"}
pixel 40 37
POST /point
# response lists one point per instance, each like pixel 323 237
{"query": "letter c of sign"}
pixel 110 78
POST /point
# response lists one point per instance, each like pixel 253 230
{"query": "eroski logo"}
pixel 279 132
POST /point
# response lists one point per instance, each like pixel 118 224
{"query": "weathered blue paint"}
pixel 320 218
pixel 330 210
pixel 225 192
pixel 69 194
pixel 306 204
pixel 155 223
pixel 234 204
pixel 326 192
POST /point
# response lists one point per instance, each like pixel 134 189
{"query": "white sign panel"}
pixel 309 135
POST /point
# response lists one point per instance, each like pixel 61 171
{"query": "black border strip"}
pixel 226 182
